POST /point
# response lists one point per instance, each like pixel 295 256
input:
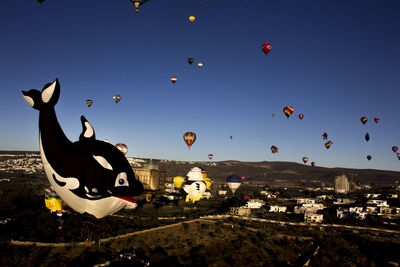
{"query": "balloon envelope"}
pixel 178 181
pixel 395 148
pixel 274 149
pixel 266 48
pixel 301 116
pixel 288 110
pixel 369 157
pixel 376 119
pixel 364 120
pixel 325 136
pixel 234 182
pixel 305 159
pixel 89 102
pixel 367 137
pixel 117 98
pixel 173 79
pixel 122 147
pixel 189 138
pixel 192 18
pixel 190 60
pixel 210 156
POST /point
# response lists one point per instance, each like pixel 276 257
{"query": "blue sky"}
pixel 333 61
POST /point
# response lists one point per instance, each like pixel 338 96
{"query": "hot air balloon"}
pixel 364 120
pixel 56 206
pixel 395 148
pixel 367 137
pixel 266 47
pixel 328 144
pixel 231 137
pixel 369 157
pixel 40 1
pixel 274 149
pixel 195 185
pixel 301 116
pixel 178 181
pixel 189 138
pixel 210 156
pixel 200 65
pixel 90 175
pixel 376 119
pixel 138 3
pixel 305 159
pixel 173 79
pixel 313 164
pixel 234 182
pixel 273 115
pixel 122 147
pixel 325 136
pixel 89 102
pixel 190 60
pixel 288 110
pixel 117 98
pixel 192 18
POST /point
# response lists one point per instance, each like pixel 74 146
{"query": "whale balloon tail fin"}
pixel 47 98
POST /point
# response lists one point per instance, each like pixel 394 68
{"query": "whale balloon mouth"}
pixel 129 201
pixel 93 197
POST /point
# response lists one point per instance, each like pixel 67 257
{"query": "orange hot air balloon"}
pixel 288 110
pixel 266 47
pixel 301 116
pixel 174 79
pixel 364 120
pixel 328 144
pixel 189 138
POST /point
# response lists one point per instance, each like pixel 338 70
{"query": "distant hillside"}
pixel 276 170
pixel 269 171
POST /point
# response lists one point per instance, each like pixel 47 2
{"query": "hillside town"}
pixel 345 200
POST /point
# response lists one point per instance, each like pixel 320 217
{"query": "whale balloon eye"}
pixel 122 180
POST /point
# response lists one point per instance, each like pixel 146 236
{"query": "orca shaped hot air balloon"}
pixel 91 176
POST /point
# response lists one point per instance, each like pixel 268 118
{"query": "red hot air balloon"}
pixel 189 138
pixel 364 120
pixel 325 135
pixel 266 48
pixel 395 148
pixel 301 116
pixel 376 119
pixel 274 149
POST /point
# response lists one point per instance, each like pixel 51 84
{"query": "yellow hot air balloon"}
pixel 178 181
pixel 192 18
pixel 208 182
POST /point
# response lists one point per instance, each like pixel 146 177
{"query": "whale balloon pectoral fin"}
pixel 87 130
pixel 51 92
pixel 103 162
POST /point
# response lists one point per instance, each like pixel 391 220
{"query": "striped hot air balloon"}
pixel 189 138
pixel 364 120
pixel 288 110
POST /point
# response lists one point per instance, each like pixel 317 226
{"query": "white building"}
pixel 276 208
pixel 343 201
pixel 313 218
pixel 305 200
pixel 378 202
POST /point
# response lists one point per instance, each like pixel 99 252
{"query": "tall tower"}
pixel 342 185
